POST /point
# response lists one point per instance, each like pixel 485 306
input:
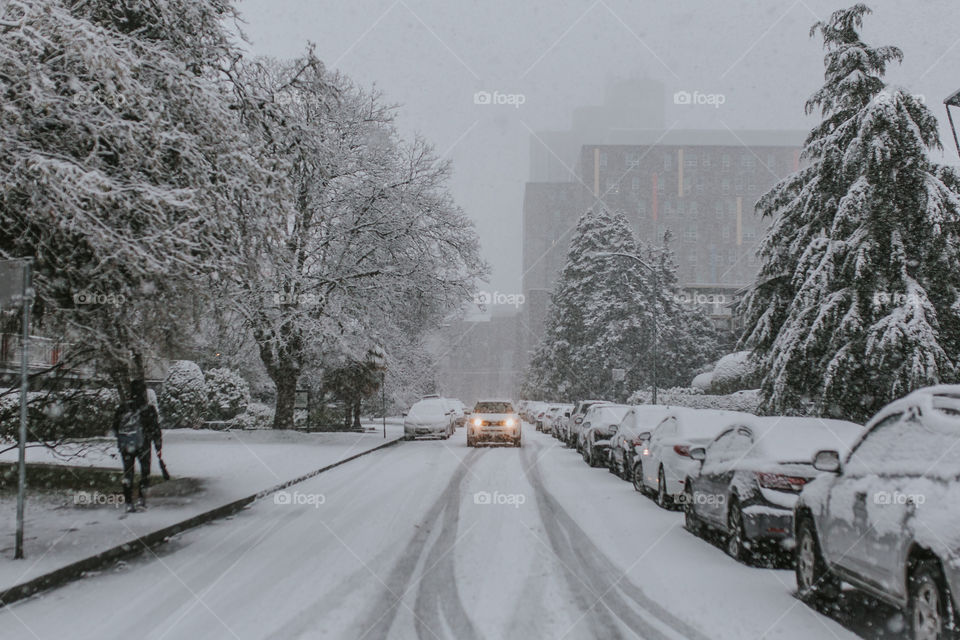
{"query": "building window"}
pixel 667 208
pixel 738 184
pixel 747 161
pixel 635 183
pixel 725 161
pixel 603 159
pixel 695 208
pixel 725 233
pixel 692 258
pixel 772 162
pixel 642 207
pixel 681 208
pixel 718 208
pixel 725 186
pixel 690 160
pixel 749 233
pixel 699 185
pixel 705 160
pixel 731 256
pixel 613 186
pixel 690 233
pixel 660 185
pixel 632 160
pixel 667 162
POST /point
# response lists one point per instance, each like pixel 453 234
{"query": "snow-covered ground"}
pixel 227 465
pixel 435 540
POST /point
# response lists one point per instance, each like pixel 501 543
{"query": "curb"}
pixel 75 570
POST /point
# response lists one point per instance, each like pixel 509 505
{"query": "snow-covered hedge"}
pixel 228 394
pixel 183 396
pixel 695 398
pixel 703 381
pixel 257 416
pixel 70 413
pixel 734 372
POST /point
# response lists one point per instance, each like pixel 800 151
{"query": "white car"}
pixel 429 418
pixel 664 462
pixel 493 421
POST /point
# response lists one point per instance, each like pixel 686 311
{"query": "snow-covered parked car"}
pixel 493 421
pixel 459 412
pixel 571 425
pixel 633 432
pixel 665 462
pixel 752 474
pixel 555 418
pixel 600 424
pixel 431 417
pixel 885 518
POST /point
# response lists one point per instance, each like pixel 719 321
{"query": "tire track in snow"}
pixel 441 600
pixel 618 596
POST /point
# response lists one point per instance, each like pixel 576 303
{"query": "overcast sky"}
pixel 431 56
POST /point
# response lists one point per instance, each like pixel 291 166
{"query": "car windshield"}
pixel 493 407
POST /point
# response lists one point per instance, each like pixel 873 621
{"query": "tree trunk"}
pixel 356 415
pixel 286 399
pixel 346 415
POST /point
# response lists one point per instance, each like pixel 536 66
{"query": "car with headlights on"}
pixel 493 422
pixel 751 476
pixel 432 417
pixel 884 517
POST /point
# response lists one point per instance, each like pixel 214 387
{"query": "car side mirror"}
pixel 404 414
pixel 614 428
pixel 828 461
pixel 698 453
pixel 566 414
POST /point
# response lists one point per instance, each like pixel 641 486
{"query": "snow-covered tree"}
pixel 608 300
pixel 857 299
pixel 361 227
pixel 119 160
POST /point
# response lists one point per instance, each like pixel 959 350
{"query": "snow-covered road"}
pixel 436 540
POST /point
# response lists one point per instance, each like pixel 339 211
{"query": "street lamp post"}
pixel 656 311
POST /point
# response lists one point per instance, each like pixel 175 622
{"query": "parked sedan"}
pixel 884 517
pixel 599 425
pixel 751 476
pixel 665 461
pixel 634 430
pixel 431 417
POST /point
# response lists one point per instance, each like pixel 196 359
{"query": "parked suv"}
pixel 571 426
pixel 884 518
pixel 493 421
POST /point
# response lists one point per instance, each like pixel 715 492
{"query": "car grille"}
pixel 493 423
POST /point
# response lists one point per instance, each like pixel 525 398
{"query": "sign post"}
pixel 12 273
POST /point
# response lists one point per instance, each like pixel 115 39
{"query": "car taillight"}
pixel 682 450
pixel 637 442
pixel 780 481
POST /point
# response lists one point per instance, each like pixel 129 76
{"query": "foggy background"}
pixel 432 56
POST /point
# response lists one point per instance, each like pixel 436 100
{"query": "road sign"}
pixel 619 375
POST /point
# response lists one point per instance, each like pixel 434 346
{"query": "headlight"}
pixel 511 422
pixel 477 422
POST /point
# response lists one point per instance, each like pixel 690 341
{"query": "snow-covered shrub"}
pixel 228 394
pixel 257 416
pixel 703 381
pixel 57 415
pixel 694 398
pixel 183 396
pixel 734 372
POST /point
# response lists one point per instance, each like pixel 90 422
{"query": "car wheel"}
pixel 736 540
pixel 815 584
pixel 690 519
pixel 929 613
pixel 663 498
pixel 638 478
pixel 517 443
pixel 470 442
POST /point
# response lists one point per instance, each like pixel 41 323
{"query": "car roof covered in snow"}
pixel 798 439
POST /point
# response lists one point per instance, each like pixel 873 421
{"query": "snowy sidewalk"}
pixel 227 466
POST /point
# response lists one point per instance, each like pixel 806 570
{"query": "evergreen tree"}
pixel 856 302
